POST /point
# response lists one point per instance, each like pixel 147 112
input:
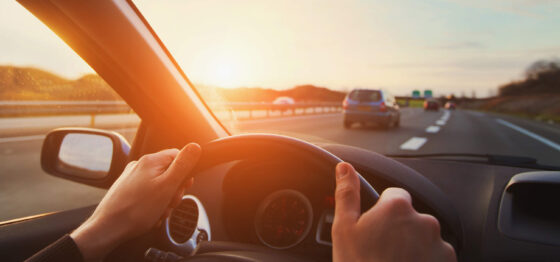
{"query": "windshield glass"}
pixel 490 68
pixel 44 85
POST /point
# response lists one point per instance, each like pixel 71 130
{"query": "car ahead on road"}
pixel 431 105
pixel 489 207
pixel 450 105
pixel 370 106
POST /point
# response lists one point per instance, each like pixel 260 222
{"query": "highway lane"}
pixel 26 190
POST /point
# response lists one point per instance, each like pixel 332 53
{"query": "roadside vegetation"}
pixel 27 83
pixel 536 96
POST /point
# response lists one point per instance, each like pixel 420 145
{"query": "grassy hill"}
pixel 27 83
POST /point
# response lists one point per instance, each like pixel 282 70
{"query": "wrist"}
pixel 95 240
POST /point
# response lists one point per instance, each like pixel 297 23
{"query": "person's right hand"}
pixel 390 231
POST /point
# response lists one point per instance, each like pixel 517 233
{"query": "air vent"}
pixel 183 221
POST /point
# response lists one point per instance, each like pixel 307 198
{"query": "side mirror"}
pixel 88 156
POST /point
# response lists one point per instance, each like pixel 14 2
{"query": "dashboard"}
pixel 266 203
pixel 284 206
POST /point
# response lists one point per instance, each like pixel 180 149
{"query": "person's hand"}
pixel 144 194
pixel 390 231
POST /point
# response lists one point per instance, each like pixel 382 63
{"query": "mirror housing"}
pixel 85 155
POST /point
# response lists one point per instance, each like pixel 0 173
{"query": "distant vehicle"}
pixel 284 100
pixel 371 106
pixel 431 104
pixel 450 106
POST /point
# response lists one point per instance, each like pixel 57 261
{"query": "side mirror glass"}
pixel 89 156
pixel 85 155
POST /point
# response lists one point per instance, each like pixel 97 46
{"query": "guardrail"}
pixel 42 108
pixel 45 108
pixel 18 118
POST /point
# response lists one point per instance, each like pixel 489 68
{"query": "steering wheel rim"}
pixel 245 146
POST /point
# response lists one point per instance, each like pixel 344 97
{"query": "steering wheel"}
pixel 241 147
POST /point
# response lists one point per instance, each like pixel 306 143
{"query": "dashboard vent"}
pixel 183 221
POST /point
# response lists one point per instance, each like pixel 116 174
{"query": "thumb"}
pixel 347 194
pixel 182 165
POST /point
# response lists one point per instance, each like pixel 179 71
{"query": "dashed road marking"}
pixel 432 129
pixel 529 134
pixel 414 143
pixel 440 122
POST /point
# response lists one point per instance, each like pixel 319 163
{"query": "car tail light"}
pixel 345 104
pixel 382 107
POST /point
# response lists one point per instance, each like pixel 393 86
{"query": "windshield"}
pixel 491 68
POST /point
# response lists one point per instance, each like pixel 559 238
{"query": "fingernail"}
pixel 342 170
pixel 193 149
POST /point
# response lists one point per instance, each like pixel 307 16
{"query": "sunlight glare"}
pixel 224 73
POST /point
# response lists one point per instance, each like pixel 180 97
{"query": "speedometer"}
pixel 283 219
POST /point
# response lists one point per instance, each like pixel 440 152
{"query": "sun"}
pixel 224 73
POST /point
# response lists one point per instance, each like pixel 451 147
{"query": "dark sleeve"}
pixel 64 249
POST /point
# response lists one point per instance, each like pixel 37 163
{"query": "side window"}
pixel 45 85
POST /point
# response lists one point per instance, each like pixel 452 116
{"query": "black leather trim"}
pixel 20 240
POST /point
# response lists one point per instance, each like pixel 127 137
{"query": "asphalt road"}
pixel 26 190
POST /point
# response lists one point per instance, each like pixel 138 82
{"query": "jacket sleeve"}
pixel 64 249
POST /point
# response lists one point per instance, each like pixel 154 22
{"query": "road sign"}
pixel 428 93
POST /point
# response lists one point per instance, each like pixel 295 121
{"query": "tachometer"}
pixel 283 219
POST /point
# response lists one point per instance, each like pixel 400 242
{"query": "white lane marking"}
pixel 529 134
pixel 21 138
pixel 414 143
pixel 40 137
pixel 432 129
pixel 445 116
pixel 440 122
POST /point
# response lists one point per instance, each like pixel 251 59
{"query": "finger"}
pixel 347 194
pixel 448 252
pixel 160 160
pixel 431 225
pixel 185 161
pixel 396 200
pixel 181 192
pixel 188 183
pixel 177 199
pixel 131 165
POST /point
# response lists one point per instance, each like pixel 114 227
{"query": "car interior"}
pixel 501 210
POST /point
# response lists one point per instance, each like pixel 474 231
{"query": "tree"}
pixel 542 77
pixel 542 66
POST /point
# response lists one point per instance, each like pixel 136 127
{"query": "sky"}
pixel 448 46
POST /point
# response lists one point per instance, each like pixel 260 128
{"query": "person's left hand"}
pixel 144 194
